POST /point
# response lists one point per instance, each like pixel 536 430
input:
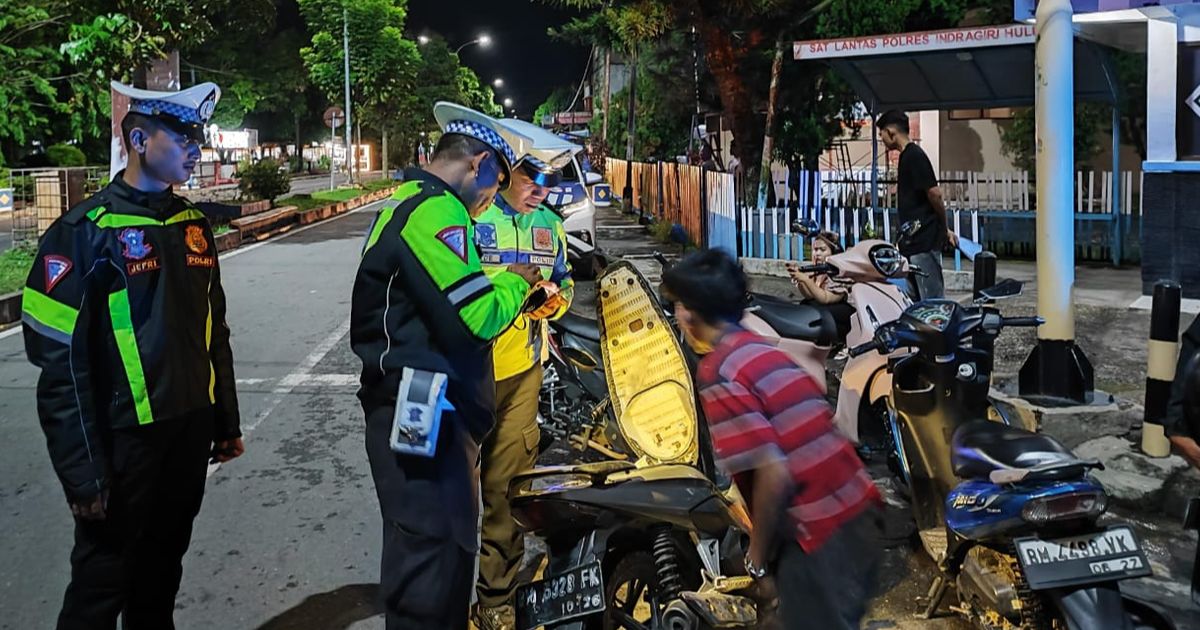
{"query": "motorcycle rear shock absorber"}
pixel 666 560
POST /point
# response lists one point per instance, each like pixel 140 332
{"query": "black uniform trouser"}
pixel 430 510
pixel 830 588
pixel 131 562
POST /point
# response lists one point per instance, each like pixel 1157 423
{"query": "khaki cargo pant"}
pixel 510 448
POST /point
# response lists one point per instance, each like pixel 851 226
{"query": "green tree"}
pixel 558 101
pixel 383 64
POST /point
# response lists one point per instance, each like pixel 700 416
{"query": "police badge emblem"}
pixel 543 239
pixel 194 237
pixel 134 240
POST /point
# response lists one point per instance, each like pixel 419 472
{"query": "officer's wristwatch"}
pixel 755 572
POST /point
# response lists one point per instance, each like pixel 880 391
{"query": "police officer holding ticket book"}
pixel 424 314
pixel 124 313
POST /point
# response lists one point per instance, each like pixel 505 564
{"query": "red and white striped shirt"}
pixel 761 407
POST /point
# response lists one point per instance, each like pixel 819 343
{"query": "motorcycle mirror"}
pixel 580 359
pixel 805 227
pixel 1005 289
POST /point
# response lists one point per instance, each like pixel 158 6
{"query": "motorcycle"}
pixel 1009 516
pixel 573 402
pixel 871 267
pixel 652 541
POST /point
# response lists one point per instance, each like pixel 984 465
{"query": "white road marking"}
pixel 288 383
pixel 321 380
pixel 242 250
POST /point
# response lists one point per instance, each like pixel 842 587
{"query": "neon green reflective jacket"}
pixel 504 237
pixel 422 300
pixel 124 313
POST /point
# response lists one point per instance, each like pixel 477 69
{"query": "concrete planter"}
pixel 254 207
pixel 10 308
pixel 229 240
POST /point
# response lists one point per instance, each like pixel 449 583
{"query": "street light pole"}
pixel 482 40
pixel 346 70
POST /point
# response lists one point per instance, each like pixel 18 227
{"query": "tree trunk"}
pixel 299 146
pixel 724 62
pixel 764 177
pixel 607 92
pixel 384 155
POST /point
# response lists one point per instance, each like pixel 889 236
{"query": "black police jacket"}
pixel 125 315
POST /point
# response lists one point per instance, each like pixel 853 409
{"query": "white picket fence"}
pixel 842 203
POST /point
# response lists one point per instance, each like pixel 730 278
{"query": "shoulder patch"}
pixel 485 235
pixel 455 239
pixel 543 239
pixel 57 268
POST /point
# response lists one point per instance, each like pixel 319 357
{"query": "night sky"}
pixel 521 53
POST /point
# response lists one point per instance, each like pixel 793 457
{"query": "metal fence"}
pixel 31 199
pixel 701 202
pixel 996 209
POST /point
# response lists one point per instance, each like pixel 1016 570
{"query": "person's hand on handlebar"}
pixel 953 237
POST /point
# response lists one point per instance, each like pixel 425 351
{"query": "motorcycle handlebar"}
pixel 824 268
pixel 1027 322
pixel 662 260
pixel 863 349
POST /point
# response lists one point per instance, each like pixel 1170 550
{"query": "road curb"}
pixel 10 308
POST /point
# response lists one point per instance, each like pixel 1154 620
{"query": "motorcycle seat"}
pixel 796 321
pixel 581 327
pixel 982 447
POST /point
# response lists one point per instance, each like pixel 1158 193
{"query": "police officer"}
pixel 422 301
pixel 125 315
pixel 518 228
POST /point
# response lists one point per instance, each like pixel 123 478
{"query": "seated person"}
pixel 820 289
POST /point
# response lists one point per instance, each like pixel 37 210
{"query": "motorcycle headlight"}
pixel 887 260
pixel 1065 507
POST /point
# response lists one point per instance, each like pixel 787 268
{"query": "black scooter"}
pixel 654 541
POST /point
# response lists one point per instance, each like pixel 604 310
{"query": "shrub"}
pixel 323 163
pixel 263 180
pixel 66 155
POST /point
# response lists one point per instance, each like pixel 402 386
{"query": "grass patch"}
pixel 379 184
pixel 661 231
pixel 220 229
pixel 340 194
pixel 303 203
pixel 14 268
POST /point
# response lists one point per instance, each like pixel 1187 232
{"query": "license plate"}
pixel 575 593
pixel 1113 554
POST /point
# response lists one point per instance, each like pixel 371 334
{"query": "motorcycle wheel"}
pixel 631 594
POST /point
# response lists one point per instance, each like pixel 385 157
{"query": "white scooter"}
pixel 870 267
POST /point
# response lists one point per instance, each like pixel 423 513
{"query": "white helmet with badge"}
pixel 456 119
pixel 186 112
pixel 541 154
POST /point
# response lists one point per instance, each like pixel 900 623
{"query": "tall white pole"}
pixel 1056 370
pixel 1054 114
pixel 346 68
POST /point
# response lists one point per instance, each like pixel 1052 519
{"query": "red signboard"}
pixel 950 39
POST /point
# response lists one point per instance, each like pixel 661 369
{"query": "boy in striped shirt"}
pixel 814 507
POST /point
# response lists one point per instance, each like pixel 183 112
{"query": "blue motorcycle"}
pixel 1009 516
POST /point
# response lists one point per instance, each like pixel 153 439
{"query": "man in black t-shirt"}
pixel 919 202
